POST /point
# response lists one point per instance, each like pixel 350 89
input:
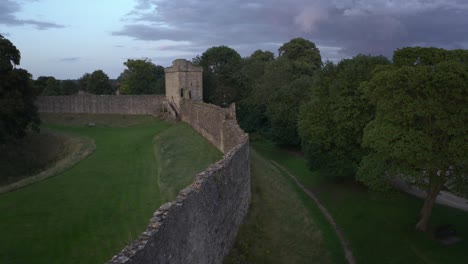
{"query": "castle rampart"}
pixel 201 224
pixel 103 104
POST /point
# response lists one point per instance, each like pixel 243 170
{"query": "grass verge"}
pixel 283 225
pixel 379 227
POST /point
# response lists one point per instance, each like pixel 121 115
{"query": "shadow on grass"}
pixel 379 227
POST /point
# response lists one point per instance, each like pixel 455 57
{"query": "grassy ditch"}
pixel 39 156
pixel 283 225
pixel 379 227
pixel 89 212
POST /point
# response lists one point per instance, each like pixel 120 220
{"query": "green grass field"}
pixel 91 211
pixel 283 225
pixel 379 227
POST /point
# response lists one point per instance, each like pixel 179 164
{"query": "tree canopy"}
pixel 304 55
pixel 221 66
pixel 10 56
pixel 18 112
pixel 331 123
pixel 419 132
pixel 98 83
pixel 142 77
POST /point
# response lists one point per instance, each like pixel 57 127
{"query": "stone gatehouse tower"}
pixel 183 80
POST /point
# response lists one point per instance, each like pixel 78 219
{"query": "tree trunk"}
pixel 425 214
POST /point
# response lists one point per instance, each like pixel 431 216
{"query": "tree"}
pixel 98 83
pixel 304 55
pixel 412 56
pixel 9 55
pixel 142 77
pixel 68 87
pixel 18 112
pixel 331 123
pixel 220 69
pixel 250 113
pixel 277 88
pixel 283 111
pixel 419 132
pixel 40 83
pixel 264 56
pixel 52 87
pixel 83 82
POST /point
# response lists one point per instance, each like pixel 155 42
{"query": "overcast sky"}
pixel 66 38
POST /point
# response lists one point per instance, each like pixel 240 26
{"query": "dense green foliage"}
pixel 69 87
pixel 49 86
pixel 10 56
pixel 220 67
pixel 90 212
pixel 18 112
pixel 334 111
pixel 142 77
pixel 83 82
pixel 420 127
pixel 331 123
pixel 276 88
pixel 98 83
pixel 52 87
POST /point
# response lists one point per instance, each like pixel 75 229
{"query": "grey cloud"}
pixel 70 59
pixel 346 27
pixel 8 9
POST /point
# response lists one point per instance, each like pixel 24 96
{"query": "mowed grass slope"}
pixel 91 211
pixel 283 225
pixel 379 227
pixel 181 151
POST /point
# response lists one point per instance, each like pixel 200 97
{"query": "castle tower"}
pixel 183 80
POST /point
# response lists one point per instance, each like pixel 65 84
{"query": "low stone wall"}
pixel 103 104
pixel 201 224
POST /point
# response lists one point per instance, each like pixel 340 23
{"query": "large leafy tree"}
pixel 221 67
pixel 52 87
pixel 304 55
pixel 142 77
pixel 83 82
pixel 251 112
pixel 419 132
pixel 98 83
pixel 282 85
pixel 18 112
pixel 331 123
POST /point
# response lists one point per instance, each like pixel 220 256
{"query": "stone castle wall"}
pixel 103 104
pixel 201 224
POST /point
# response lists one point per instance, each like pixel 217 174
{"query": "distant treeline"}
pixel 140 77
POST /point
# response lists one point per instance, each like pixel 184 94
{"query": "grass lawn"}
pixel 379 227
pixel 91 211
pixel 283 225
